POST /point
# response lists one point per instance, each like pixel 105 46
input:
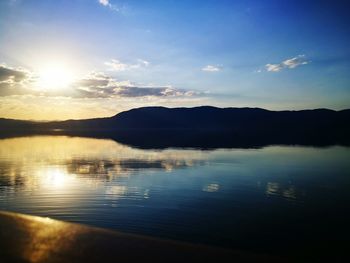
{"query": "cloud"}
pixel 8 74
pixel 117 65
pixel 143 62
pixel 102 86
pixel 14 80
pixel 274 67
pixel 152 91
pixel 295 62
pixel 104 2
pixel 288 63
pixel 95 85
pixel 108 4
pixel 211 68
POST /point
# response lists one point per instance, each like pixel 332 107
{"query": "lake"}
pixel 265 199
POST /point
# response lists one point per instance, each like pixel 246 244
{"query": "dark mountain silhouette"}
pixel 205 126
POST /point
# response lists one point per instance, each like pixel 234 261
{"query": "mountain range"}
pixel 201 126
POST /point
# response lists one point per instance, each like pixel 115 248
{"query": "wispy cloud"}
pixel 211 68
pixel 117 65
pixel 143 62
pixel 104 2
pixel 108 4
pixel 274 67
pixel 287 64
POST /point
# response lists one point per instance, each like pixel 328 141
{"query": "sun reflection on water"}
pixel 103 183
pixel 64 165
pixel 54 177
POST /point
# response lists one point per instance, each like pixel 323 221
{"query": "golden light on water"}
pixel 54 177
pixel 61 164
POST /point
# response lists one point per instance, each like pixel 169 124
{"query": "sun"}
pixel 55 76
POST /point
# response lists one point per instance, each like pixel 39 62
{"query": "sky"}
pixel 78 59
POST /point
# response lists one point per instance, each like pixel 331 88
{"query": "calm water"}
pixel 260 199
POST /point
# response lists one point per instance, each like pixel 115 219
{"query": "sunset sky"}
pixel 94 58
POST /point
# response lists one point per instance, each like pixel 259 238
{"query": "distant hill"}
pixel 208 124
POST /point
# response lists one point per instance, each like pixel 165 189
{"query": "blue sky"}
pixel 271 54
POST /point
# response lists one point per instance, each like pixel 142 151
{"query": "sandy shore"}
pixel 26 238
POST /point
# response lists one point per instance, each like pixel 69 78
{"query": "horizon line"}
pixel 202 106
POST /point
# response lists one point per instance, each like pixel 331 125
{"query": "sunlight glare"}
pixel 55 77
pixel 54 178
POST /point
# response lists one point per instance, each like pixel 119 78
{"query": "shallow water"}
pixel 259 199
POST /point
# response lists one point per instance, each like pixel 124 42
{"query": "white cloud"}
pixel 117 65
pixel 143 62
pixel 104 2
pixel 211 68
pixel 295 62
pixel 274 67
pixel 108 4
pixel 288 63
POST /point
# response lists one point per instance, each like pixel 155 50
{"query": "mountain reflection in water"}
pixel 225 197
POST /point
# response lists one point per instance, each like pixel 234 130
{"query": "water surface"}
pixel 277 197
